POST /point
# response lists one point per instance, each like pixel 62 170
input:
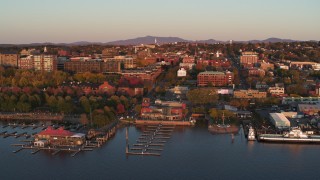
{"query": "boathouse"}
pixel 59 137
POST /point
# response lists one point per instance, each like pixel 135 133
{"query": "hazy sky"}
pixel 26 21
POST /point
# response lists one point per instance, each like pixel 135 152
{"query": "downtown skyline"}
pixel 104 21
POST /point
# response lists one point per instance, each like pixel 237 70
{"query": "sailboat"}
pixel 223 128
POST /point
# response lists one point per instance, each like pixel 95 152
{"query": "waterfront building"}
pixel 58 137
pixel 309 109
pixel 279 120
pixel 215 78
pixel 163 110
pixel 249 94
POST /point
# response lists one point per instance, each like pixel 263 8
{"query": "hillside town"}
pixel 272 86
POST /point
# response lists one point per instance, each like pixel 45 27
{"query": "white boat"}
pixel 251 134
pixel 294 136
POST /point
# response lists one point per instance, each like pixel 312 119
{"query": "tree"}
pixel 84 119
pixel 120 108
pixel 203 96
pixel 137 108
pixel 85 104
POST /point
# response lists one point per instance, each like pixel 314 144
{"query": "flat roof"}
pixel 212 72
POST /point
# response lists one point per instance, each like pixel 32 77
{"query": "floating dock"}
pixel 147 144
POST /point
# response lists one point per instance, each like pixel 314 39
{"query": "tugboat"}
pixel 251 134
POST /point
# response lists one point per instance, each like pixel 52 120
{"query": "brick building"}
pixel 255 72
pixel 149 73
pixel 248 59
pixel 45 62
pixel 25 62
pixel 266 66
pixel 188 60
pixel 215 78
pixel 223 63
pixel 128 62
pixel 249 94
pixel 9 59
pixel 92 66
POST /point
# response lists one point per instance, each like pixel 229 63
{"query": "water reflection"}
pixel 190 153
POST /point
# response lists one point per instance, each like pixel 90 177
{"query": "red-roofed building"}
pixel 59 137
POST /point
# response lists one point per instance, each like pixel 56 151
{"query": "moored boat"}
pixel 223 128
pixel 251 134
pixel 294 136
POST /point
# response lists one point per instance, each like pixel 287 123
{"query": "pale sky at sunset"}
pixel 28 21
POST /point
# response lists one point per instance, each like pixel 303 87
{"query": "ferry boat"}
pixel 251 134
pixel 294 136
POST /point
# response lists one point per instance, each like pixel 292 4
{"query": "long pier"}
pixel 150 140
pixel 56 150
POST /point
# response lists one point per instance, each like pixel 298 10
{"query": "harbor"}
pixel 55 138
pixel 151 142
pixel 186 149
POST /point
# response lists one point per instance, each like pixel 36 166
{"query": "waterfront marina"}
pixel 194 150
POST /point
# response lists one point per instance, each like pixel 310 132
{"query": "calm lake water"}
pixel 191 153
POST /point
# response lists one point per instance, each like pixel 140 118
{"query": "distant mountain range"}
pixel 150 40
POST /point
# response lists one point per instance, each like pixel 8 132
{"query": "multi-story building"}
pixel 109 52
pixel 25 62
pixel 9 59
pixel 221 62
pixel 45 62
pixel 266 66
pixel 306 100
pixel 215 78
pixel 92 66
pixel 163 110
pixel 248 59
pixel 28 52
pixel 149 73
pixel 276 91
pixel 249 94
pixel 188 60
pixel 128 62
pixel 255 72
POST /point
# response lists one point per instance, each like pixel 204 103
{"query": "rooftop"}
pixel 213 72
pixel 56 132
